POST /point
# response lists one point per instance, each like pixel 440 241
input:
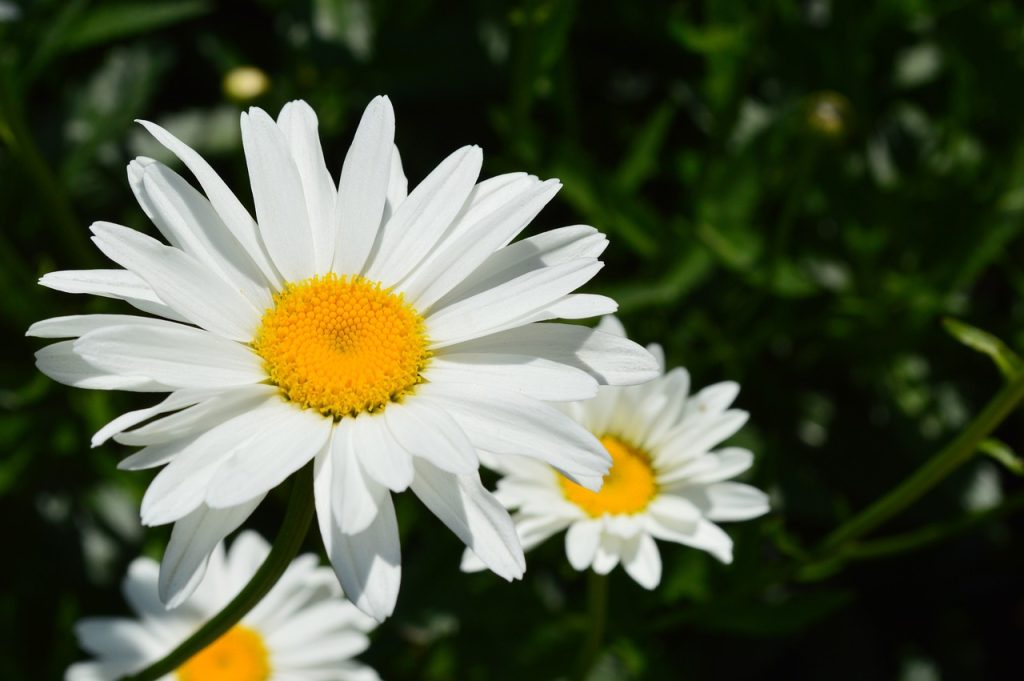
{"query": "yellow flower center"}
pixel 628 487
pixel 342 345
pixel 238 655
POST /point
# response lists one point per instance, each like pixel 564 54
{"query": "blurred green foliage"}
pixel 797 192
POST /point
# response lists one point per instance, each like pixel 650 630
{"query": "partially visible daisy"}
pixel 303 629
pixel 389 335
pixel 665 481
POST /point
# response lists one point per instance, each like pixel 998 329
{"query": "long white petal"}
pixel 189 222
pixel 368 563
pixel 183 357
pixel 380 454
pixel 612 360
pixel 298 122
pixel 543 250
pixel 729 501
pixel 234 215
pixel 341 485
pixel 180 281
pixel 460 256
pixel 479 314
pixel 398 184
pixel 581 543
pixel 362 190
pixel 63 364
pixel 118 284
pixel 283 443
pixel 700 534
pixel 278 196
pixel 176 400
pixel 419 222
pixel 217 406
pixel 426 431
pixel 474 515
pixel 73 326
pixel 506 423
pixel 193 538
pixel 534 377
pixel 642 560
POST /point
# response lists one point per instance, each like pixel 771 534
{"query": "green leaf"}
pixel 1006 359
pixel 646 152
pixel 1002 453
pixel 117 21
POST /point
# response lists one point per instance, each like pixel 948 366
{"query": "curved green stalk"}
pixel 286 547
pixel 956 453
pixel 597 599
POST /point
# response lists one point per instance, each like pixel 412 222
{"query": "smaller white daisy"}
pixel 303 629
pixel 665 482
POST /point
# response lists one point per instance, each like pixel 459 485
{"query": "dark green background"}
pixel 796 193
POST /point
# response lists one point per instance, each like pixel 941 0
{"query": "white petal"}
pixel 116 637
pixel 695 436
pixel 485 312
pixel 474 515
pixel 506 423
pixel 674 387
pixel 363 188
pixel 671 508
pixel 282 444
pixel 231 211
pixel 721 465
pixel 426 431
pixel 74 326
pixel 642 561
pixel 183 484
pixel 298 122
pixel 118 284
pixel 180 281
pixel 419 222
pixel 700 534
pixel 609 552
pixel 176 400
pixel 611 325
pixel 581 543
pixel 62 363
pixel 189 222
pixel 543 250
pixel 193 539
pixel 278 196
pixel 611 359
pixel 460 255
pixel 341 483
pixel 524 374
pixel 713 399
pixel 217 407
pixel 380 454
pixel 179 356
pixel 729 501
pixel 369 563
pixel 398 185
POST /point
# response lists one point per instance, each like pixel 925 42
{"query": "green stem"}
pixel 597 599
pixel 958 452
pixel 286 547
pixel 917 539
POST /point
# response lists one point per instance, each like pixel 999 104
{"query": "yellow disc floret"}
pixel 239 655
pixel 342 345
pixel 627 489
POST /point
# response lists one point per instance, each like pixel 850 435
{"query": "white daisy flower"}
pixel 389 336
pixel 303 629
pixel 665 482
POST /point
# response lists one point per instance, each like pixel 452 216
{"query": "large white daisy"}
pixel 303 629
pixel 665 481
pixel 390 336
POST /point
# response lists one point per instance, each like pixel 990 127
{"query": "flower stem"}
pixel 956 453
pixel 286 546
pixel 597 600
